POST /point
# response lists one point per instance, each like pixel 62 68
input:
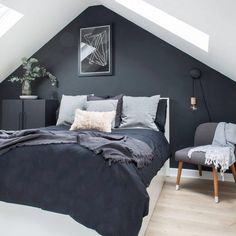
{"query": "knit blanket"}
pixel 221 152
pixel 114 148
pixel 33 137
pixel 117 148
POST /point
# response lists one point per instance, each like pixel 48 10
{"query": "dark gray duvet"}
pixel 72 180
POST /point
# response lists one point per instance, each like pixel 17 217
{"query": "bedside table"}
pixel 20 114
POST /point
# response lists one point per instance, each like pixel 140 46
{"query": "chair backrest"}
pixel 204 134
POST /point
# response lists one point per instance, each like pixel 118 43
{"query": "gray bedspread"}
pixel 31 137
pixel 117 147
pixel 72 180
pixel 113 148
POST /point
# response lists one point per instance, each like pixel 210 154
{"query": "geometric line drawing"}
pixel 100 43
pixel 95 51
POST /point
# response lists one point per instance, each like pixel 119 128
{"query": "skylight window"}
pixel 168 22
pixel 8 18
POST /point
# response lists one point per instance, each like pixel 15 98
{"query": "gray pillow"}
pixel 119 105
pixel 103 106
pixel 160 120
pixel 68 106
pixel 139 112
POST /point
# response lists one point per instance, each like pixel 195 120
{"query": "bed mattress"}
pixel 71 180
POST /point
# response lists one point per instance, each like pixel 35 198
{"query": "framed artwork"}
pixel 95 49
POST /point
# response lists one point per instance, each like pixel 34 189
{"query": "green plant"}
pixel 32 70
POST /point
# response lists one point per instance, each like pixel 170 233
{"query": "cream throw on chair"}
pixel 221 152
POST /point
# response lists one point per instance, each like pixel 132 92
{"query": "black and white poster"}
pixel 95 51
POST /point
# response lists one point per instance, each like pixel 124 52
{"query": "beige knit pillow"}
pixel 101 121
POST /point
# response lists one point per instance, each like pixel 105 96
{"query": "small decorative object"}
pixel 26 87
pixel 31 97
pixel 32 70
pixel 193 103
pixel 196 75
pixel 95 51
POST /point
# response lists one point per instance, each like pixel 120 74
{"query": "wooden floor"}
pixel 191 211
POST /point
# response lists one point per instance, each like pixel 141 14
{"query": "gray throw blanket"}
pixel 221 152
pixel 112 147
pixel 117 148
pixel 31 137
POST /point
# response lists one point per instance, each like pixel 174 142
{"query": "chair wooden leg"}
pixel 216 184
pixel 180 166
pixel 200 170
pixel 233 171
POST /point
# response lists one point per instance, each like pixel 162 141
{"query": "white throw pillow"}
pixel 68 106
pixel 103 106
pixel 92 120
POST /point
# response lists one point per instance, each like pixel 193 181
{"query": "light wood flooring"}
pixel 191 211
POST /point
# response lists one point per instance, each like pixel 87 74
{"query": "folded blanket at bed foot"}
pixel 113 148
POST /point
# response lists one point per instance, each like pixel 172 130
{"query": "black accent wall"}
pixel 143 65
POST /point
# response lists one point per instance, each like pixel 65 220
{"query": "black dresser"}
pixel 17 114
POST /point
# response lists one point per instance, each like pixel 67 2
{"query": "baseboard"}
pixel 195 174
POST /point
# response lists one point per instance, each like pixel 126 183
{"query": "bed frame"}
pixel 24 220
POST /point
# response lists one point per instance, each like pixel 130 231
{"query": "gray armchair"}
pixel 203 136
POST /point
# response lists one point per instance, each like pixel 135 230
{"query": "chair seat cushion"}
pixel 197 158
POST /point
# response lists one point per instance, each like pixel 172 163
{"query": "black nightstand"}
pixel 20 114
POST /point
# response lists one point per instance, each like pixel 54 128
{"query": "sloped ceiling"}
pixel 43 19
pixel 215 18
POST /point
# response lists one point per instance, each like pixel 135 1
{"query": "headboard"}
pixel 167 124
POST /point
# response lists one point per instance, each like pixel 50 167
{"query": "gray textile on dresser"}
pixel 117 148
pixel 139 112
pixel 13 139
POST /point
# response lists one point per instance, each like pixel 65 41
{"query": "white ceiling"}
pixel 44 19
pixel 215 18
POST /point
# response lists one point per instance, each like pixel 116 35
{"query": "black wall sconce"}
pixel 196 75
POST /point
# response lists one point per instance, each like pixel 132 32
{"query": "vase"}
pixel 26 87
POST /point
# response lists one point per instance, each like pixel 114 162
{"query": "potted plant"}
pixel 31 71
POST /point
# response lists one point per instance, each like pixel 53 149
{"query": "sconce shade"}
pixel 193 103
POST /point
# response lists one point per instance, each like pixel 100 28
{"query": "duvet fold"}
pixel 32 137
pixel 117 148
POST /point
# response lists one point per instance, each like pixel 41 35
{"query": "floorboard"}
pixel 192 211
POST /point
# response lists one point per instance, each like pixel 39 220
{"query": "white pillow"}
pixel 139 112
pixel 93 120
pixel 68 106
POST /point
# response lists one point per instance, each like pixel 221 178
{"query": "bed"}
pixel 101 201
